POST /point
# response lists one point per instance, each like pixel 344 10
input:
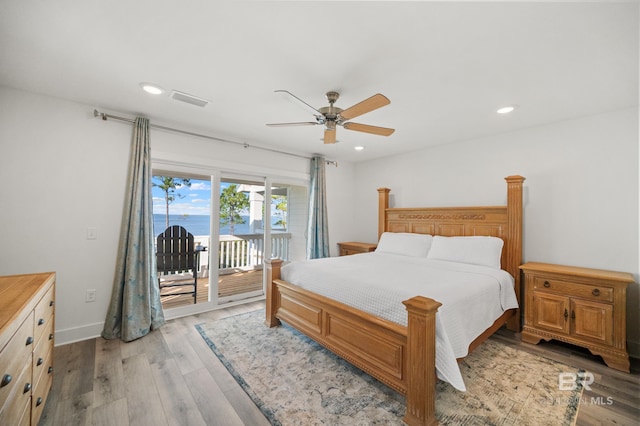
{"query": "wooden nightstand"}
pixel 354 248
pixel 581 306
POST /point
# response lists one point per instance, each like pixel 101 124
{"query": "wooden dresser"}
pixel 581 306
pixel 355 247
pixel 26 346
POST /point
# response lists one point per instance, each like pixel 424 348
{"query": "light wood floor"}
pixel 171 377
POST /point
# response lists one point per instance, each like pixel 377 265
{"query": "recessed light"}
pixel 153 89
pixel 358 148
pixel 506 110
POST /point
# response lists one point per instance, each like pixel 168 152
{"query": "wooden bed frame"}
pixel 401 357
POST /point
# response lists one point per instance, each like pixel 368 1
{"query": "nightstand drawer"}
pixel 349 248
pixel 591 292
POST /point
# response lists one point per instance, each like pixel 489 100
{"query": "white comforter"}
pixel 472 297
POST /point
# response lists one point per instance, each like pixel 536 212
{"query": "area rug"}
pixel 295 381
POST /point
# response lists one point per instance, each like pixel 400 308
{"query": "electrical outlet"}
pixel 90 296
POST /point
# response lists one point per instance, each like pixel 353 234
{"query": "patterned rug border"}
pixel 238 378
pixel 570 417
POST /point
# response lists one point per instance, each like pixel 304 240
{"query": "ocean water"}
pixel 198 225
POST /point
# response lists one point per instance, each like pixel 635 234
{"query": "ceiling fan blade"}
pixel 374 102
pixel 299 102
pixel 330 136
pixel 382 131
pixel 303 123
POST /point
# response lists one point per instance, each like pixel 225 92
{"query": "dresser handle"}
pixel 29 341
pixel 566 314
pixel 40 361
pixel 6 380
pixel 50 336
pixel 547 284
pixel 41 321
pixel 595 292
pixel 27 388
pixel 50 370
pixel 51 303
pixel 38 401
pixel 573 314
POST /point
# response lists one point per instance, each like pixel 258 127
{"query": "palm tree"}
pixel 170 186
pixel 281 209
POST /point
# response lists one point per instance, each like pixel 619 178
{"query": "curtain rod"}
pixel 105 116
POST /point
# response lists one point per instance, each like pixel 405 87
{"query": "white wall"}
pixel 580 198
pixel 341 192
pixel 62 171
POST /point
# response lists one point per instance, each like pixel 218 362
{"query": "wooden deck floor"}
pixel 228 285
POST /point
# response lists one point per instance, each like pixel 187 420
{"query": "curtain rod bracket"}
pixel 100 114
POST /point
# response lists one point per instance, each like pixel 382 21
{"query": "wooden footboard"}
pixel 401 357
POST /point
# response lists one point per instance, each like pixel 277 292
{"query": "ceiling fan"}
pixel 331 116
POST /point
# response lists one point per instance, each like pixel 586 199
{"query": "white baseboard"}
pixel 78 334
pixel 91 331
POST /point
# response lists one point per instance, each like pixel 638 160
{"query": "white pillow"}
pixel 483 251
pixel 405 244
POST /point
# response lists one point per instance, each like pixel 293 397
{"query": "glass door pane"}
pixel 241 240
pixel 183 201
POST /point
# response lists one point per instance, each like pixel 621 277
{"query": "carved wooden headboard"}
pixel 502 221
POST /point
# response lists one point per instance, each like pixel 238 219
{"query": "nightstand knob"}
pixel 595 292
pixel 566 314
pixel 547 284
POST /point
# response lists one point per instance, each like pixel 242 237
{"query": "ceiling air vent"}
pixel 190 99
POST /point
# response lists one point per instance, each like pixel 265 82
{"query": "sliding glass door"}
pixel 237 222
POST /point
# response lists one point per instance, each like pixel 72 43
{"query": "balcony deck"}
pixel 228 285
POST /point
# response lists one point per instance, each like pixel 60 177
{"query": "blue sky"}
pixel 195 200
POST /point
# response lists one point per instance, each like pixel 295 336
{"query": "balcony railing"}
pixel 244 252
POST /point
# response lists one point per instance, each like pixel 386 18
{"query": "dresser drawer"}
pixel 13 357
pixel 20 394
pixel 42 351
pixel 44 313
pixel 584 291
pixel 41 390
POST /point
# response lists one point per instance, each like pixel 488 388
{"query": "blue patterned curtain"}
pixel 135 307
pixel 317 229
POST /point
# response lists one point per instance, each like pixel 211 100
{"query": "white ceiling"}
pixel 445 66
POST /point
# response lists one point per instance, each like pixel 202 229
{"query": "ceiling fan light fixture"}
pixel 506 110
pixel 331 116
pixel 151 88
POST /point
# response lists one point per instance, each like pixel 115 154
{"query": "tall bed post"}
pixel 421 361
pixel 273 273
pixel 383 205
pixel 514 242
